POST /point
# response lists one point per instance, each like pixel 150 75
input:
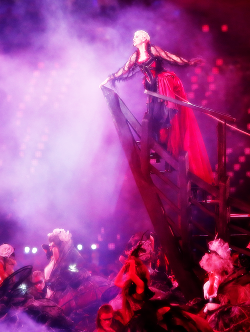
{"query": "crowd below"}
pixel 143 296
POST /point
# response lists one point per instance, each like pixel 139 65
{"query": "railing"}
pixel 219 192
pixel 174 231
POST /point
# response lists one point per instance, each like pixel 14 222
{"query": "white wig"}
pixel 219 259
pixel 6 250
pixel 144 34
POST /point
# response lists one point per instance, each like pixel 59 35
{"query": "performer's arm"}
pixel 119 278
pixel 174 59
pixel 211 286
pixel 134 277
pixel 3 274
pixel 124 72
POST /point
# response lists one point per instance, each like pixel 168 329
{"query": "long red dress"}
pixel 174 126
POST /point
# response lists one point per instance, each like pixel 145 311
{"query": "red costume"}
pixel 174 126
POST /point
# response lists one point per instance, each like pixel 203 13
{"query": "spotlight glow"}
pixel 79 247
pixel 34 250
pixel 23 287
pixel 93 246
pixel 27 250
pixel 73 268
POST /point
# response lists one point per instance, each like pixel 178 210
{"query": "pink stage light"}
pixel 242 159
pixel 197 70
pixel 215 70
pixel 231 174
pixel 219 62
pixel 212 86
pixel 190 95
pixel 229 150
pixel 205 28
pixel 111 246
pixel 194 86
pixel 236 167
pixel 224 28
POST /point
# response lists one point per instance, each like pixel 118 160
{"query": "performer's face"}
pixel 55 251
pixel 106 320
pixel 39 283
pixel 139 39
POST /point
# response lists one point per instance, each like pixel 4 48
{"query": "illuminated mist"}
pixel 61 161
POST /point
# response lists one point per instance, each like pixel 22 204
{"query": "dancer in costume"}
pixel 174 126
pixel 38 289
pixel 227 290
pixel 219 265
pixel 69 284
pixel 106 321
pixel 7 261
pixel 135 290
pixel 65 268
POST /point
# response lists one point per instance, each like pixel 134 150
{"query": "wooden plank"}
pixel 164 154
pixel 145 148
pixel 240 229
pixel 167 200
pixel 202 109
pixel 184 204
pixel 201 228
pixel 164 178
pixel 188 281
pixel 199 247
pixel 224 210
pixel 222 172
pixel 240 250
pixel 135 124
pixel 203 208
pixel 213 190
pixel 239 204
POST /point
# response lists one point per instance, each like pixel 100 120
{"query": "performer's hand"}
pixel 196 62
pixel 104 82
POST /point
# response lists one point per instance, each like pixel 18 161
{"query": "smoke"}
pixel 19 321
pixel 61 161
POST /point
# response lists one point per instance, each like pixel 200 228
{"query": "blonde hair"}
pixel 144 34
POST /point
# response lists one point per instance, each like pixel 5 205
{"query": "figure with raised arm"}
pixel 7 261
pixel 173 126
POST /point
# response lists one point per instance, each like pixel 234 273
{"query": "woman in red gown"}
pixel 174 126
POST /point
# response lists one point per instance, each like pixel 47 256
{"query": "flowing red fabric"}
pixel 184 133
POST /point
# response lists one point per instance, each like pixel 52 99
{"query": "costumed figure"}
pixel 135 290
pixel 145 252
pixel 69 284
pixel 219 265
pixel 142 251
pixel 173 126
pixel 143 311
pixel 227 290
pixel 17 302
pixel 142 246
pixel 38 289
pixel 7 261
pixel 106 321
